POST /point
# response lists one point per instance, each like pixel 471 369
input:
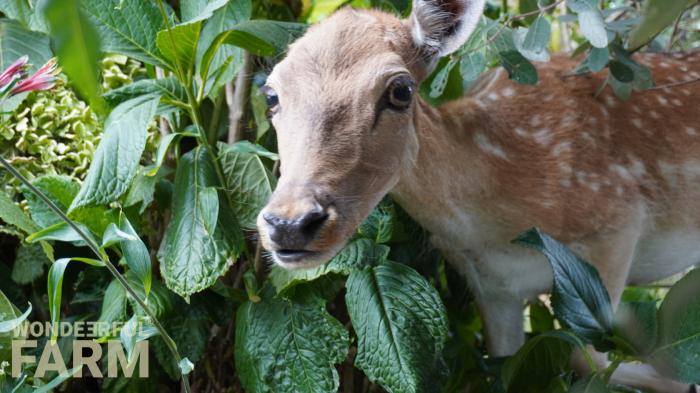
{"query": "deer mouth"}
pixel 294 256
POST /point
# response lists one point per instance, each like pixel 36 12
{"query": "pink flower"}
pixel 43 79
pixel 13 71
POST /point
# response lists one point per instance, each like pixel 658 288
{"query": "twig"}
pixel 675 84
pixel 674 32
pixel 236 98
pixel 162 121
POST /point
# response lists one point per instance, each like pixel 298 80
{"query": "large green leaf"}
pixel 356 255
pixel 541 359
pixel 29 264
pixel 656 16
pixel 261 37
pixel 128 27
pixel 61 190
pixel 169 88
pixel 12 317
pixel 678 345
pixel 518 67
pixel 178 45
pixel 77 46
pixel 401 327
pixel 113 303
pixel 195 250
pixel 225 60
pixel 16 41
pixel 136 254
pixel 248 181
pixel 579 299
pixel 25 12
pixel 116 159
pixel 15 216
pixel 591 21
pixel 537 37
pixel 283 346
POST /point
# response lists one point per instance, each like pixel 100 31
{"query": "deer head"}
pixel 343 102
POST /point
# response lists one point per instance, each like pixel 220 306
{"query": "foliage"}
pixel 160 211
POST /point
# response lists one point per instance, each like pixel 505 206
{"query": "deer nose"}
pixel 295 234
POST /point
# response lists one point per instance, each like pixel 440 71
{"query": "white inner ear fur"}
pixel 440 32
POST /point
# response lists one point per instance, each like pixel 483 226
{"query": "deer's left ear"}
pixel 440 27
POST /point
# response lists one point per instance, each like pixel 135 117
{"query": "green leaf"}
pixel 198 10
pixel 656 16
pixel 61 232
pixel 136 254
pixel 540 360
pixel 168 87
pixel 194 254
pixel 283 346
pixel 143 188
pixel 24 11
pixel 439 82
pixel 261 37
pixel 537 38
pixel 55 288
pixel 593 383
pixel 379 225
pixel 178 45
pixel 224 61
pixel 248 181
pixel 135 330
pixel 10 318
pixel 61 190
pixel 356 255
pixel 190 329
pixel 401 327
pixel 597 59
pixel 621 71
pixel 76 43
pixel 13 215
pixel 636 324
pixel 471 66
pixel 16 41
pixel 117 157
pixel 678 347
pixel 518 67
pixel 113 303
pixel 579 299
pixel 591 21
pixel 29 264
pixel 128 27
pixel 161 300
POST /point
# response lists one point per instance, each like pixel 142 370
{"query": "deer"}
pixel 616 181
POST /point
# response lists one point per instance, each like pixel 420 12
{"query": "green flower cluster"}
pixel 54 132
pixel 50 132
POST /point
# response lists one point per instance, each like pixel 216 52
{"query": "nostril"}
pixel 312 221
pixel 271 219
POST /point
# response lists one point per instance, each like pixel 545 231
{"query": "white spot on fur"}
pixel 663 64
pixel 492 96
pixel 691 131
pixel 484 144
pixel 676 102
pixel 662 100
pixel 638 123
pixel 654 115
pixel 520 132
pixel 686 92
pixel 621 171
pixel 561 148
pixel 543 136
pixel 535 121
pixel 610 101
pixel 637 109
pixel 508 92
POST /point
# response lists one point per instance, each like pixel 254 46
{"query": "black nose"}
pixel 296 233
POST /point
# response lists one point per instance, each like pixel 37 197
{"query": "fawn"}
pixel 617 181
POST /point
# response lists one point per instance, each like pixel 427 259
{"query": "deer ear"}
pixel 440 27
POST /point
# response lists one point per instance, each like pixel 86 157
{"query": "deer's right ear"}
pixel 440 27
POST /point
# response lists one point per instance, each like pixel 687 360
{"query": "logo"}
pixel 88 349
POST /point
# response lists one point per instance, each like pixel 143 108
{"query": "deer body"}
pixel 619 182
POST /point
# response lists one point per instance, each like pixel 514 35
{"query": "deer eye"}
pixel 400 93
pixel 270 97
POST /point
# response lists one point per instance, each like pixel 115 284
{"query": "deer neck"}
pixel 448 174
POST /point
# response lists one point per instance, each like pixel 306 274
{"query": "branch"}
pixel 236 99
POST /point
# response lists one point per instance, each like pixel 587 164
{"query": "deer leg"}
pixel 503 324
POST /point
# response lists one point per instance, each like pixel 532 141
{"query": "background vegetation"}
pixel 156 145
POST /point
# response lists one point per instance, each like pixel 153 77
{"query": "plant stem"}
pixel 108 264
